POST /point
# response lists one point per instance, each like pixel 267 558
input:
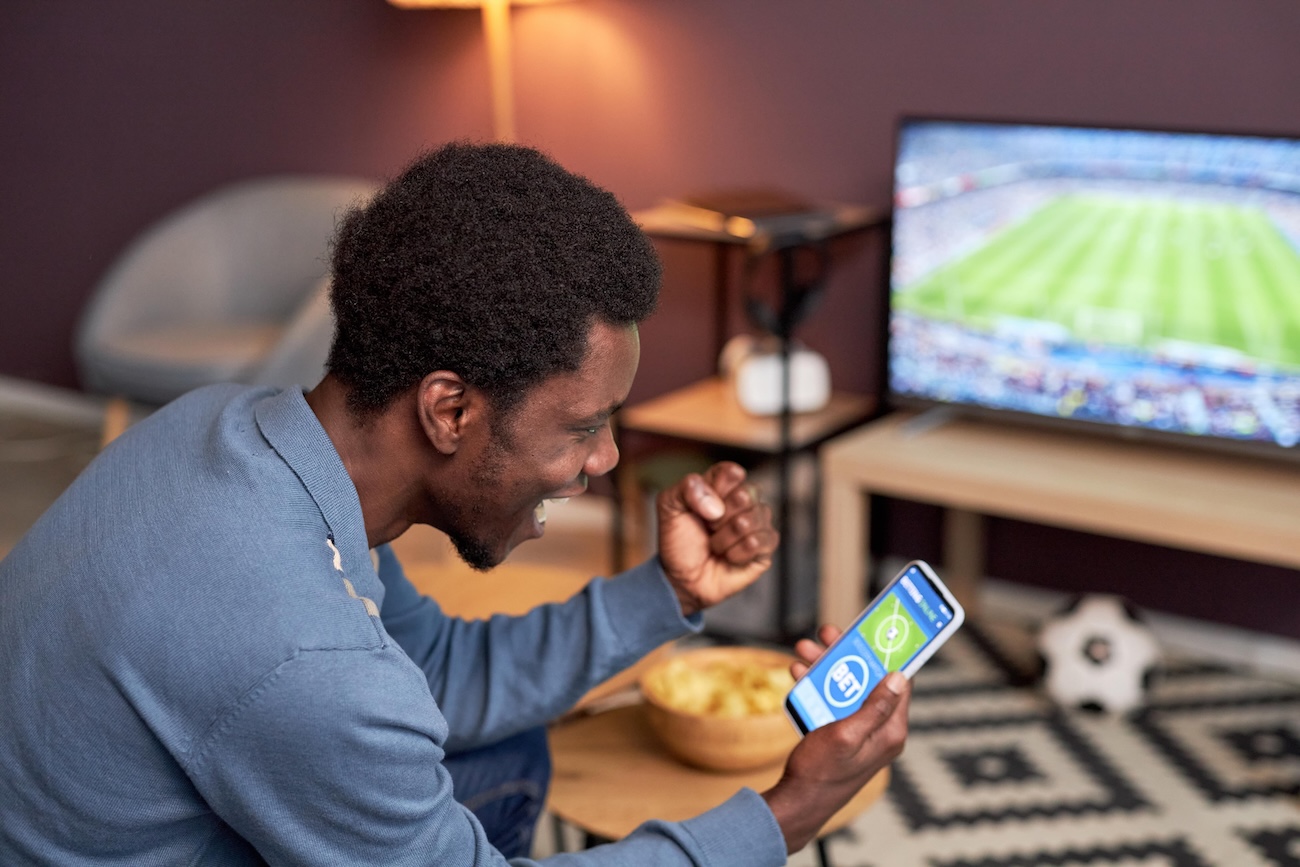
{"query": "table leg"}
pixel 963 555
pixel 628 518
pixel 557 828
pixel 117 418
pixel 844 549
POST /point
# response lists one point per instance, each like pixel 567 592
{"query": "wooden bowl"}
pixel 722 708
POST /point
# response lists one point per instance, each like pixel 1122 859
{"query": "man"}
pixel 201 661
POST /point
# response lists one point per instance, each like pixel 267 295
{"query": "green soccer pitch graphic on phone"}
pixel 901 628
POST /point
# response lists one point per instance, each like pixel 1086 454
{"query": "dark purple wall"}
pixel 114 113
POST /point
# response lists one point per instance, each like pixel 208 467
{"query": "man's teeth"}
pixel 539 512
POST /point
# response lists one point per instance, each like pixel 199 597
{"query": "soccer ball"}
pixel 1098 655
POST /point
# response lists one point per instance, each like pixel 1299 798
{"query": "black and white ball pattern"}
pixel 1098 655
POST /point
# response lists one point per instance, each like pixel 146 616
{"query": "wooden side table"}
pixel 707 412
pixel 612 774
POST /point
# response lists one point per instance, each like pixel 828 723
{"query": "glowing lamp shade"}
pixel 496 29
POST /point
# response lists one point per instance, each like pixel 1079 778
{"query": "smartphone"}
pixel 901 628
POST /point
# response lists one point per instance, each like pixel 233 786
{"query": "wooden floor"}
pixel 577 537
pixel 39 458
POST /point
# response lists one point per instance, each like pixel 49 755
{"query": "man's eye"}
pixel 592 431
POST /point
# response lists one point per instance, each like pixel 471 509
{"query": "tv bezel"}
pixel 891 401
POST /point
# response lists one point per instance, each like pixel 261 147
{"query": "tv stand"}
pixel 1227 505
pixel 928 420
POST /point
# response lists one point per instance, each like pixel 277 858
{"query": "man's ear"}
pixel 445 403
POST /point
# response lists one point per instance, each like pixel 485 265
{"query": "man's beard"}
pixel 478 553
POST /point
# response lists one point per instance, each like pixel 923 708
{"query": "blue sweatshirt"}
pixel 201 664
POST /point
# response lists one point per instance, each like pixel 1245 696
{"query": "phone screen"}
pixel 897 626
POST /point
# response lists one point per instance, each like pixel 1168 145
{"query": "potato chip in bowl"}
pixel 722 707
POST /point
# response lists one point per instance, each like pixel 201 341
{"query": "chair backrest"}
pixel 249 252
pixel 206 293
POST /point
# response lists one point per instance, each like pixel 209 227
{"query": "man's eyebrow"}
pixel 599 417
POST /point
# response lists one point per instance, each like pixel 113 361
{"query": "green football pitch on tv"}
pixel 1132 271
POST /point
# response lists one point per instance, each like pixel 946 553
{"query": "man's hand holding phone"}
pixel 833 762
pixel 851 697
pixel 898 631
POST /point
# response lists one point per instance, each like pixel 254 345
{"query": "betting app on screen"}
pixel 887 636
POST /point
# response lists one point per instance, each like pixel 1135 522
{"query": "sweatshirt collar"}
pixel 295 433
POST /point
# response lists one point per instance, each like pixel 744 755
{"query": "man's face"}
pixel 546 447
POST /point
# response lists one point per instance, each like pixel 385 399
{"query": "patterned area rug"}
pixel 1206 774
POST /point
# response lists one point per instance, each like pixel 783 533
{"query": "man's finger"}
pixel 809 651
pixel 760 544
pixel 883 702
pixel 725 477
pixel 755 521
pixel 704 500
pixel 829 633
pixel 744 497
pixel 693 494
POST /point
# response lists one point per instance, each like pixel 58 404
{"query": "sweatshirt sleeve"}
pixel 497 677
pixel 335 758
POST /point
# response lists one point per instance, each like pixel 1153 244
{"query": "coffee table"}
pixel 612 774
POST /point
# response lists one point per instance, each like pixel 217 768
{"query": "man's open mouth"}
pixel 539 512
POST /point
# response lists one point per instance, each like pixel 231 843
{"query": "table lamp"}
pixel 496 28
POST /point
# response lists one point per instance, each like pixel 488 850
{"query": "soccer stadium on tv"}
pixel 1115 276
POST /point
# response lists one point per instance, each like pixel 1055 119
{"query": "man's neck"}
pixel 373 451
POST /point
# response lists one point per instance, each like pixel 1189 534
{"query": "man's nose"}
pixel 604 457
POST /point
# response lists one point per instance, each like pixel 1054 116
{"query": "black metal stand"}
pixel 795 298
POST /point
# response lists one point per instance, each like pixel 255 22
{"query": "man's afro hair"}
pixel 488 260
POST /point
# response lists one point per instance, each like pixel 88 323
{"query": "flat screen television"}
pixel 1122 280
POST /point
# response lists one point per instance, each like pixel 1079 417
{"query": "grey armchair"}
pixel 232 287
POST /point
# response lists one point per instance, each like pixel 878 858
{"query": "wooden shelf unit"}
pixel 708 413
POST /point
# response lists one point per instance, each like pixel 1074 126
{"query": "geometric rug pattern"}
pixel 1205 774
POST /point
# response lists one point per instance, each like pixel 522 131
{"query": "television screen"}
pixel 1115 277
